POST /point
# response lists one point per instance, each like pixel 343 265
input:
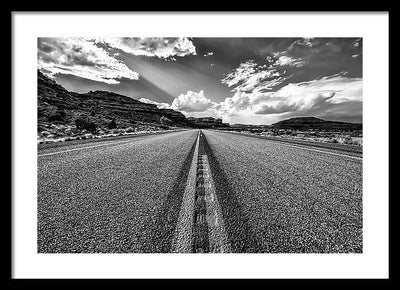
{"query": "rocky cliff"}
pixel 58 106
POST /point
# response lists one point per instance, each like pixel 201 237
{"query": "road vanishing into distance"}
pixel 198 191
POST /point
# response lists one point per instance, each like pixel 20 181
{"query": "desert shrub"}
pixel 45 133
pixel 68 132
pixel 62 113
pixel 80 123
pixel 352 141
pixel 84 124
pixel 348 140
pixel 112 124
pixel 57 116
pixel 91 127
pixel 117 131
pixel 41 114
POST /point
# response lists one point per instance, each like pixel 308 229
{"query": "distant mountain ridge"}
pixel 307 123
pixel 58 105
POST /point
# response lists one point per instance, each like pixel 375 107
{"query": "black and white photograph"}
pixel 203 145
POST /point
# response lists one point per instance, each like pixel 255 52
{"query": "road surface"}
pixel 198 192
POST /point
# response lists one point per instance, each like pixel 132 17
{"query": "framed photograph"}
pixel 200 145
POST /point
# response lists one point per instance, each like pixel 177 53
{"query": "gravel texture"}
pixel 353 150
pixel 280 199
pixel 110 199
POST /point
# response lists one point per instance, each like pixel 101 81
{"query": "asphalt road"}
pixel 111 196
pixel 125 195
pixel 280 198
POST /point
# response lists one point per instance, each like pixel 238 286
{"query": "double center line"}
pixel 200 227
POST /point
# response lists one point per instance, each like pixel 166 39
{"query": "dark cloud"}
pixel 43 47
pixel 74 55
pixel 346 111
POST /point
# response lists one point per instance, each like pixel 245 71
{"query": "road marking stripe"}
pixel 87 147
pixel 217 236
pixel 182 240
pixel 322 151
pixel 200 242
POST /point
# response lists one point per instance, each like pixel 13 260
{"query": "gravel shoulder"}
pixel 45 147
pixel 353 150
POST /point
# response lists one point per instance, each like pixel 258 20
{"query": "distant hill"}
pixel 207 122
pixel 56 105
pixel 307 123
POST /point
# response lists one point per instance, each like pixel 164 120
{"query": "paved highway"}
pixel 111 196
pixel 278 197
pixel 129 195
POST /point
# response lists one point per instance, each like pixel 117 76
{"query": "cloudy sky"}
pixel 241 80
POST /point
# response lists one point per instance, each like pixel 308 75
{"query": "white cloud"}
pixel 306 41
pixel 345 89
pixel 80 57
pixel 159 105
pixel 152 46
pixel 290 61
pixel 317 98
pixel 252 77
pixel 242 73
pixel 294 103
pixel 208 54
pixel 255 90
pixel 192 102
pixel 313 97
